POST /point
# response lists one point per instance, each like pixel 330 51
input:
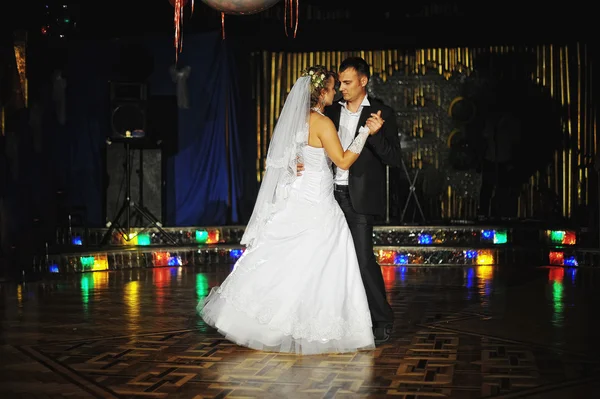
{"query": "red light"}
pixel 386 257
pixel 570 238
pixel 557 258
pixel 161 259
pixel 213 237
pixel 389 276
pixel 556 274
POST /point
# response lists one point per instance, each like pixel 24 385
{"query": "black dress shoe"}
pixel 382 333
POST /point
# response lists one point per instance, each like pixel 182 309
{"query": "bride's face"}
pixel 329 91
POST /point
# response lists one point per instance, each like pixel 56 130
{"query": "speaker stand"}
pixel 412 193
pixel 130 208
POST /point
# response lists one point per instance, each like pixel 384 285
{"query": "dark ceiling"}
pixel 415 22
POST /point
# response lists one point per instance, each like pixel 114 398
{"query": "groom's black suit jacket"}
pixel 366 179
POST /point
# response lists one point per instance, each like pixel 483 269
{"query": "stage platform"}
pixel 80 250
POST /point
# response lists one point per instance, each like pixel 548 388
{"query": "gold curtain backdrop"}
pixel 565 71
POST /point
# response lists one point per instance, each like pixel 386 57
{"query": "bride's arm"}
pixel 331 142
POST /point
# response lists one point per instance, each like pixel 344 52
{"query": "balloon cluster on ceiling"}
pixel 233 7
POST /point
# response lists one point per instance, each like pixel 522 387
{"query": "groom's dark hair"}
pixel 359 64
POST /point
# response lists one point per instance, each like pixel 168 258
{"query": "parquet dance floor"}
pixel 460 332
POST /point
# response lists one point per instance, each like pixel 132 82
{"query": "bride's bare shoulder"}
pixel 320 120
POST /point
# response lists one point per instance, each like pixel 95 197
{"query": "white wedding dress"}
pixel 298 289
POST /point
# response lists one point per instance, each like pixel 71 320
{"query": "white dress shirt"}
pixel 347 131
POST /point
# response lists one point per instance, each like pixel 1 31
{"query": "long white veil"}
pixel 289 136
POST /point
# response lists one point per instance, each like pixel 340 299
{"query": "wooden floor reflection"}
pixel 468 332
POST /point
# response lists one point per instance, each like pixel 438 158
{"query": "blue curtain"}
pixel 217 125
pixel 199 180
pixel 200 168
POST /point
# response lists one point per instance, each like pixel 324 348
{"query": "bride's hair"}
pixel 319 76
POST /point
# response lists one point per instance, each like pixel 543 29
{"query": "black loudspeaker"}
pixel 128 105
pixel 148 176
pixel 146 181
pixel 132 110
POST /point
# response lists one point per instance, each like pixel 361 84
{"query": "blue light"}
pixel 175 261
pixel 571 261
pixel 470 277
pixel 487 235
pixel 236 253
pixel 401 259
pixel 425 239
pixel 76 240
pixel 402 271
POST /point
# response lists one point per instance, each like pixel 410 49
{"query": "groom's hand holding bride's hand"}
pixel 375 122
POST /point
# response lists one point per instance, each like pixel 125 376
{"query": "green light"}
pixel 557 300
pixel 87 261
pixel 500 237
pixel 201 286
pixel 87 285
pixel 557 236
pixel 201 236
pixel 143 239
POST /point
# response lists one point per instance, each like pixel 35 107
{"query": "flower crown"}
pixel 317 78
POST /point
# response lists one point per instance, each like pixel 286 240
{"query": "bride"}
pixel 297 287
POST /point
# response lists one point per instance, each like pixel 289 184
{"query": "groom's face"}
pixel 352 86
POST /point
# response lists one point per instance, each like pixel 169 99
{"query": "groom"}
pixel 360 191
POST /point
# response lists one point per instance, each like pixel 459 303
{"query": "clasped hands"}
pixel 375 122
